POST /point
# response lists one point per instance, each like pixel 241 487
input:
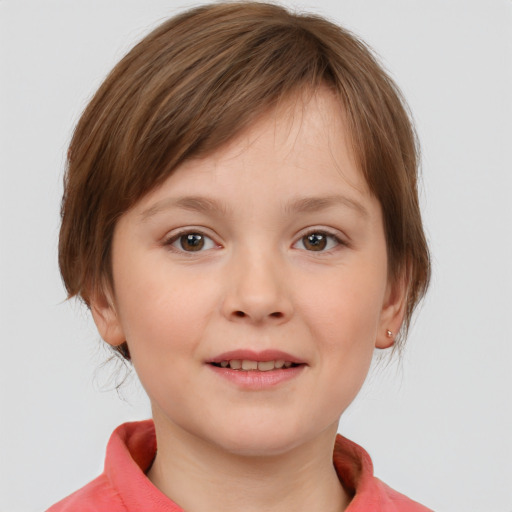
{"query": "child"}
pixel 241 216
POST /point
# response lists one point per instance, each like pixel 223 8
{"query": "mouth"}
pixel 260 361
pixel 252 370
pixel 245 365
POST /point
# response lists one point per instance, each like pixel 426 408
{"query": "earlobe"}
pixel 392 314
pixel 106 319
pixel 385 341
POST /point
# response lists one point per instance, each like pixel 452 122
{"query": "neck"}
pixel 201 477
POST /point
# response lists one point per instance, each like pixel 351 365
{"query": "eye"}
pixel 191 242
pixel 318 241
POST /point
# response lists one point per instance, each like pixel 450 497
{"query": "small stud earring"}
pixel 389 334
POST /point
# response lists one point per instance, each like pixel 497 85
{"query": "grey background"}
pixel 438 425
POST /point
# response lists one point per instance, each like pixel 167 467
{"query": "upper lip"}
pixel 252 355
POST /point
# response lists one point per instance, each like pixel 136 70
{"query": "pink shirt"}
pixel 124 487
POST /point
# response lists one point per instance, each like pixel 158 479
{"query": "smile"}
pixel 251 365
pixel 257 370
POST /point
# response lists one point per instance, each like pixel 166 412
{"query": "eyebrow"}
pixel 212 206
pixel 191 203
pixel 314 204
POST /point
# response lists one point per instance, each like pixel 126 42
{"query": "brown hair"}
pixel 194 83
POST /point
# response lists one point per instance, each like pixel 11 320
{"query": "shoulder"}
pixel 355 471
pixel 393 501
pixel 123 483
pixel 96 496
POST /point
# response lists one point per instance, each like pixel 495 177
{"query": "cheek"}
pixel 161 308
pixel 342 324
pixel 344 313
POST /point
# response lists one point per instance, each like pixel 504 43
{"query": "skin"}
pixel 256 284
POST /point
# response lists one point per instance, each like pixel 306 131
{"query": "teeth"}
pixel 249 365
pixel 262 366
pixel 265 366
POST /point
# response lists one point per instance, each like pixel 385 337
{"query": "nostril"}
pixel 242 314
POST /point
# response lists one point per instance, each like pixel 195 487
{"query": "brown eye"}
pixel 315 241
pixel 191 242
pixel 318 241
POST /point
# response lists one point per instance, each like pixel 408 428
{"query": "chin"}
pixel 259 439
pixel 264 447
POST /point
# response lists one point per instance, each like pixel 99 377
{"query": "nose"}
pixel 256 290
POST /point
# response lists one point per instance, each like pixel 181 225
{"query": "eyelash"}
pixel 169 242
pixel 176 237
pixel 328 235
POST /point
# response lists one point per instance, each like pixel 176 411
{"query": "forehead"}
pixel 303 145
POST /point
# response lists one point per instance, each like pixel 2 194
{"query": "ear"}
pixel 106 318
pixel 393 311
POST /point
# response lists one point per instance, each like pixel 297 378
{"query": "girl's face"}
pixel 271 249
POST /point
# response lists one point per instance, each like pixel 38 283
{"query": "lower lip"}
pixel 258 380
